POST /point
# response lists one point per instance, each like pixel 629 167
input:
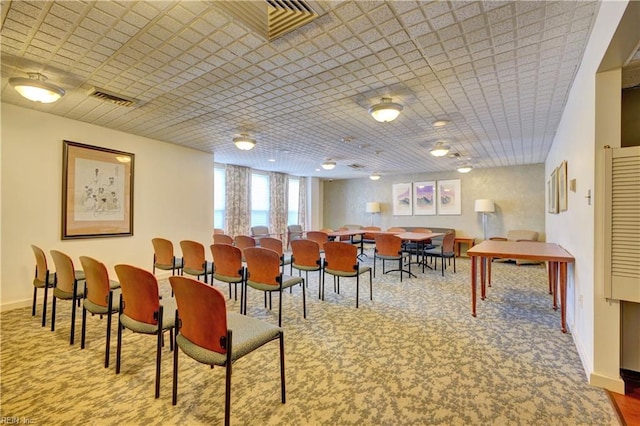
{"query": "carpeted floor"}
pixel 412 356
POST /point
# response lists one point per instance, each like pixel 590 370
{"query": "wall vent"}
pixel 111 97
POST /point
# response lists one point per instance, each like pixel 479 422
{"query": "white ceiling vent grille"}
pixel 271 18
pixel 111 97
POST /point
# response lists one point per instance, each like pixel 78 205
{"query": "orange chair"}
pixel 101 296
pixel 43 279
pixel 445 251
pixel 194 261
pixel 227 267
pixel 210 335
pixel 66 288
pixel 306 257
pixel 163 257
pixel 319 237
pixel 141 311
pixel 218 231
pixel 341 260
pixel 396 229
pixel 276 245
pixel 264 274
pixel 222 239
pixel 389 247
pixel 244 241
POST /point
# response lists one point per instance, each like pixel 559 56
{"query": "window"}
pixel 294 196
pixel 219 194
pixel 259 199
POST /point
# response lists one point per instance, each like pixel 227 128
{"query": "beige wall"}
pixel 518 193
pixel 173 196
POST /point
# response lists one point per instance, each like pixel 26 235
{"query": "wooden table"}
pixel 469 241
pixel 557 257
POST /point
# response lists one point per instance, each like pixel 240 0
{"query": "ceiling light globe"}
pixel 36 89
pixel 440 123
pixel 244 143
pixel 440 150
pixel 374 176
pixel 328 165
pixel 385 111
pixel 465 168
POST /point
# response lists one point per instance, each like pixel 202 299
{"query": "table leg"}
pixel 489 260
pixel 553 283
pixel 473 284
pixel 550 280
pixel 563 296
pixel 483 277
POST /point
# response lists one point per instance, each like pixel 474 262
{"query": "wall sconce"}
pixel 484 206
pixel 373 208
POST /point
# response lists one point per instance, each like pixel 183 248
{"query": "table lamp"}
pixel 485 206
pixel 373 208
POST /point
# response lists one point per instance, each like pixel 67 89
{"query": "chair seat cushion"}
pixel 287 281
pixel 226 278
pixel 348 274
pixel 59 294
pixel 98 309
pixel 168 319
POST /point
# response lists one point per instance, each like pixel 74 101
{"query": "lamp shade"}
pixel 485 206
pixel 385 111
pixel 373 207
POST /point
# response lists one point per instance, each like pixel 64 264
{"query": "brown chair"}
pixel 194 261
pixel 276 245
pixel 445 251
pixel 319 237
pixel 227 267
pixel 294 232
pixel 244 241
pixel 101 297
pixel 163 257
pixel 43 279
pixel 327 230
pixel 306 257
pixel 67 287
pixel 218 231
pixel 222 239
pixel 210 335
pixel 341 260
pixel 141 311
pixel 418 247
pixel 396 229
pixel 389 247
pixel 264 274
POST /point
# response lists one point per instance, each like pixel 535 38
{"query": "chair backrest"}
pixel 341 256
pixel 367 236
pixel 203 313
pixel 41 264
pixel 326 230
pixel 514 235
pixel 97 281
pixel 318 236
pixel 222 239
pixel 259 231
pixel 218 231
pixel 422 230
pixel 272 244
pixel 344 237
pixel 244 241
pixel 498 239
pixel 227 260
pixel 295 230
pixel 306 252
pixel 192 254
pixel 163 251
pixel 65 272
pixel 140 293
pixel 396 229
pixel 388 245
pixel 447 242
pixel 263 265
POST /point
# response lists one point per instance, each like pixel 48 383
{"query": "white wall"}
pixel 575 141
pixel 173 197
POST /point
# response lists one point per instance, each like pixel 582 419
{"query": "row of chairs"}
pixel 196 319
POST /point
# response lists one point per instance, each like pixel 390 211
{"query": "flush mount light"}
pixel 35 88
pixel 440 150
pixel 244 142
pixel 328 165
pixel 385 111
pixel 374 176
pixel 465 168
pixel 440 123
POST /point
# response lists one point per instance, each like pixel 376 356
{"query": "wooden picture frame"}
pixel 449 197
pixel 97 192
pixel 562 187
pixel 552 192
pixel 402 200
pixel 424 198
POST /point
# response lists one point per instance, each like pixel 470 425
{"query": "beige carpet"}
pixel 413 356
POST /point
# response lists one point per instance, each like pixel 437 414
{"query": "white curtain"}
pixel 302 202
pixel 278 203
pixel 238 200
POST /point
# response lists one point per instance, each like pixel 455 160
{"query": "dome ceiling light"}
pixel 440 149
pixel 328 165
pixel 440 123
pixel 36 89
pixel 244 142
pixel 465 168
pixel 385 111
pixel 374 176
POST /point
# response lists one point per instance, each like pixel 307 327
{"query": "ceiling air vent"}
pixel 111 97
pixel 356 166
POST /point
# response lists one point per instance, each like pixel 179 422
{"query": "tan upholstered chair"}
pixel 341 260
pixel 294 232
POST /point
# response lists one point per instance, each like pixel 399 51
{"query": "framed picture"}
pixel 552 192
pixel 449 197
pixel 402 205
pixel 562 187
pixel 424 198
pixel 97 192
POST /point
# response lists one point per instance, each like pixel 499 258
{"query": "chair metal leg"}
pixel 84 327
pixel 73 312
pixel 358 285
pixel 159 352
pixel 174 398
pixel 227 388
pixel 44 305
pixel 119 338
pixel 53 313
pixel 282 382
pixel 35 295
pixel 107 348
pixel 370 287
pixel 304 302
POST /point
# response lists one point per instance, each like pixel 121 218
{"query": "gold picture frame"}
pixel 552 192
pixel 562 187
pixel 97 192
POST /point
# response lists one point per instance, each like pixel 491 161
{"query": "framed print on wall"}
pixel 562 187
pixel 401 193
pixel 449 197
pixel 97 192
pixel 552 192
pixel 424 198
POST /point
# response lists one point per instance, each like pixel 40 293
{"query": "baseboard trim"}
pixel 613 384
pixel 22 304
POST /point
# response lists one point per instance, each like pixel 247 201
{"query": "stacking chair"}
pixel 243 242
pixel 264 274
pixel 306 257
pixel 341 260
pixel 259 232
pixel 163 257
pixel 418 247
pixel 369 238
pixel 101 297
pixel 319 237
pixel 209 334
pixel 228 268
pixel 43 279
pixel 66 287
pixel 276 245
pixel 445 251
pixel 222 239
pixel 396 229
pixel 141 311
pixel 194 261
pixel 389 247
pixel 294 232
pixel 218 231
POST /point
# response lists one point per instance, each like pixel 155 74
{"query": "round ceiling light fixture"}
pixel 244 142
pixel 440 149
pixel 374 176
pixel 465 168
pixel 328 165
pixel 440 123
pixel 385 111
pixel 36 89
